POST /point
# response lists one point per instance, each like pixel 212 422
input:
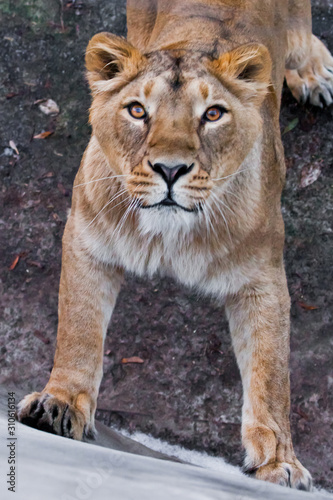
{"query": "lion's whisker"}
pixel 126 199
pixel 207 213
pixel 132 206
pixel 231 175
pixel 233 194
pixel 218 200
pixel 215 200
pixel 97 180
pixel 106 205
pixel 124 217
pixel 123 201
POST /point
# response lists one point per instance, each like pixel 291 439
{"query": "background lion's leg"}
pixel 259 324
pixel 309 65
pixel 86 299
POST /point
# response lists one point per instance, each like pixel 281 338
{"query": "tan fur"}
pixel 225 237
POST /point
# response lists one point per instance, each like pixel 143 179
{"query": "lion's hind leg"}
pixel 312 80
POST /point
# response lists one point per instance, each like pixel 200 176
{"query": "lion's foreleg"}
pixel 87 296
pixel 309 64
pixel 259 324
pixel 299 29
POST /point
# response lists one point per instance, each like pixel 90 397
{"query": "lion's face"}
pixel 175 124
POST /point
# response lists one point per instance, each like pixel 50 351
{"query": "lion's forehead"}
pixel 167 83
pixel 177 60
pixel 172 72
pixel 176 91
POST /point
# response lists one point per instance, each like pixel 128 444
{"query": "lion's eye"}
pixel 137 111
pixel 213 114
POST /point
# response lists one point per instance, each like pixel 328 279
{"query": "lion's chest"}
pixel 193 265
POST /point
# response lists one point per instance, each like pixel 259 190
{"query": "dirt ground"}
pixel 188 389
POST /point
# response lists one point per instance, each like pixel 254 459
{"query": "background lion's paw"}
pixel 314 81
pixel 48 413
pixel 292 475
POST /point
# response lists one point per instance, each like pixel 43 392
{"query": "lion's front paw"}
pixel 270 456
pixel 48 413
pixel 314 81
pixel 293 475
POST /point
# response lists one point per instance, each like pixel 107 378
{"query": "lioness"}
pixel 183 176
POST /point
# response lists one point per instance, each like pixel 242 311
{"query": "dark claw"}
pixel 303 100
pixel 249 471
pixel 302 487
pixel 322 100
pixel 34 406
pixel 289 476
pixel 46 427
pixel 55 412
pixel 37 415
pixel 89 433
pixel 62 424
pixel 69 425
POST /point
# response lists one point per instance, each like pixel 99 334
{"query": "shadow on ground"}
pixel 188 389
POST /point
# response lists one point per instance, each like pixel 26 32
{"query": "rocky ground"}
pixel 188 389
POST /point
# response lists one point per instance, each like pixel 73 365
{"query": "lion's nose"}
pixel 171 174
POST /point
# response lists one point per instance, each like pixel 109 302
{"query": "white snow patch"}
pixel 193 457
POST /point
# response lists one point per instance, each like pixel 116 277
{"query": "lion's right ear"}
pixel 247 70
pixel 111 62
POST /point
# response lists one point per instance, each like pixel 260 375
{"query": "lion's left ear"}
pixel 111 61
pixel 249 67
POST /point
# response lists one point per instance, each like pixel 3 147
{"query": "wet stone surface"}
pixel 188 389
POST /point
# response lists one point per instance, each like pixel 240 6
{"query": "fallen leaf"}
pixel 133 359
pixel 56 217
pixel 309 174
pixel 35 263
pixel 49 107
pixel 41 337
pixel 14 263
pixel 38 101
pixel 12 94
pixel 306 306
pixel 108 352
pixel 63 190
pixel 291 126
pixel 47 175
pixel 44 135
pixel 13 146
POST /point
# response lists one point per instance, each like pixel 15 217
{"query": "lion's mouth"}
pixel 169 202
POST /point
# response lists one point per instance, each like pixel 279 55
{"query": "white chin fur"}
pixel 166 221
